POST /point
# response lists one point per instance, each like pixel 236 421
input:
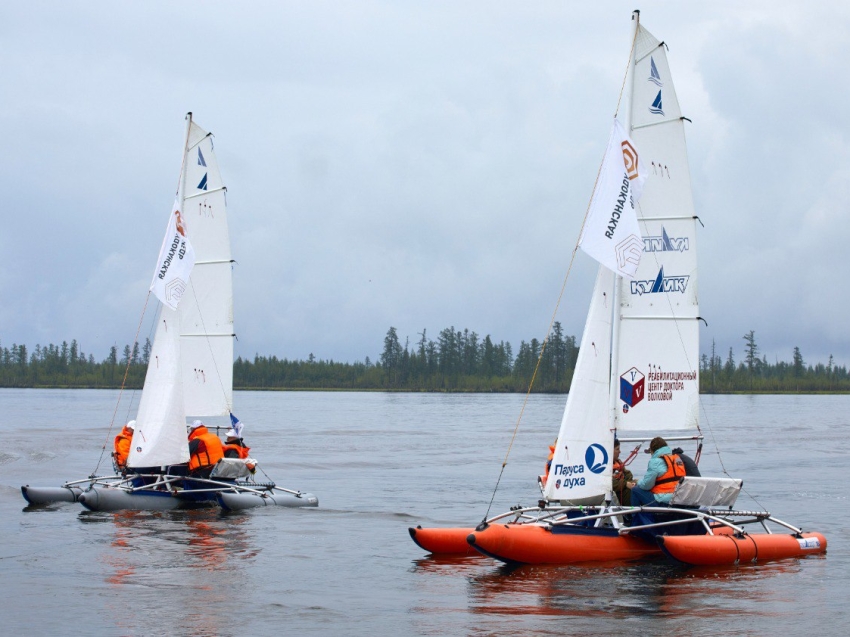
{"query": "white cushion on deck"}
pixel 230 468
pixel 708 492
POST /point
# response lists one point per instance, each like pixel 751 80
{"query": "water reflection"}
pixel 185 568
pixel 451 565
pixel 619 590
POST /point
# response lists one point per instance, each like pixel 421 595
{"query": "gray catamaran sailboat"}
pixel 190 368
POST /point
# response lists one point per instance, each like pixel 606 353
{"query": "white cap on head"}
pixel 131 425
pixel 195 425
pixel 231 433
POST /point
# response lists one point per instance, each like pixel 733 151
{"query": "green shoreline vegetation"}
pixel 457 361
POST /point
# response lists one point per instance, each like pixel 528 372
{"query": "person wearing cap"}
pixel 622 480
pixel 235 447
pixel 123 442
pixel 205 450
pixel 663 473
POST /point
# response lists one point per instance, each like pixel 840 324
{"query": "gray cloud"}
pixel 412 164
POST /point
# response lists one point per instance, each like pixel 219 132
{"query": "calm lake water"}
pixel 380 463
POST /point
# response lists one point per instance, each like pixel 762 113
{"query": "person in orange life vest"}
pixel 235 447
pixel 122 446
pixel 622 479
pixel 663 472
pixel 205 449
pixel 542 479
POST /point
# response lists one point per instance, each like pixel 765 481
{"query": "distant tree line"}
pixel 459 361
pixel 68 366
pixel 455 361
pixel 756 375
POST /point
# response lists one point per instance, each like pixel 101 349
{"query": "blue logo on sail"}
pixel 660 284
pixel 654 76
pixel 201 161
pixel 657 108
pixel 596 458
pixel 665 244
pixel 203 184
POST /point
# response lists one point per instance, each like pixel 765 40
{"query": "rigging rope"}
pixel 628 66
pixel 121 390
pixel 560 297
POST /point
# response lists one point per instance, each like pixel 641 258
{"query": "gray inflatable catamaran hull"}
pixel 49 495
pixel 110 499
pixel 238 501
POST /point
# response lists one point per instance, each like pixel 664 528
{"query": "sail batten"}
pixel 207 192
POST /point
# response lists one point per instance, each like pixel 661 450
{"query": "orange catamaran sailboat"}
pixel 641 226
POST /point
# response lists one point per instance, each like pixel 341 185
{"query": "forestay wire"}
pixel 560 297
pixel 121 390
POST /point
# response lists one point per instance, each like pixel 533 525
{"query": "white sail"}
pixel 581 467
pixel 159 438
pixel 637 370
pixel 656 361
pixel 190 371
pixel 207 310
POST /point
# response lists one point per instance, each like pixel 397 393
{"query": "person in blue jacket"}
pixel 663 473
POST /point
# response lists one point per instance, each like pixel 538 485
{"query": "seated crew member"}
pixel 205 449
pixel 542 479
pixel 663 472
pixel 235 447
pixel 123 442
pixel 691 468
pixel 622 479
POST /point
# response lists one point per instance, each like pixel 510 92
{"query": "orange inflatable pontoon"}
pixel 713 550
pixel 450 541
pixel 534 544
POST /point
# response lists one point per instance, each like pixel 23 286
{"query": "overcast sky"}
pixel 413 164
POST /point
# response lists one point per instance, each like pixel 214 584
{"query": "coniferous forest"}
pixel 456 361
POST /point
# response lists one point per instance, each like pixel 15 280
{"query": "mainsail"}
pixel 656 331
pixel 637 372
pixel 190 370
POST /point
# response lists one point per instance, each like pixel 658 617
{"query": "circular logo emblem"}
pixel 596 458
pixel 625 408
pixel 558 484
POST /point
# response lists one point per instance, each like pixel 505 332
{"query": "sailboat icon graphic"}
pixel 654 75
pixel 656 108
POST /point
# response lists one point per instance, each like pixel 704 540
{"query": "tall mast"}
pixel 626 102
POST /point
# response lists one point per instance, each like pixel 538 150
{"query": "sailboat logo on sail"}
pixel 657 108
pixel 596 458
pixel 664 243
pixel 660 284
pixel 654 76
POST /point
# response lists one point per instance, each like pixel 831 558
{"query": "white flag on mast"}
pixel 176 259
pixel 611 234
